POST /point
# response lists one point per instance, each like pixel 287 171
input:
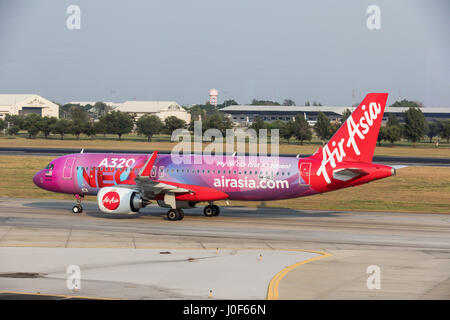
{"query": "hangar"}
pixel 23 104
pixel 243 115
pixel 162 109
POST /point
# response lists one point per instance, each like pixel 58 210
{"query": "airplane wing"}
pixel 151 188
pixel 348 173
pixel 155 187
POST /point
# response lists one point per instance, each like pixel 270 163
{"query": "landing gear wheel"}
pixel 175 214
pixel 216 210
pixel 77 209
pixel 209 211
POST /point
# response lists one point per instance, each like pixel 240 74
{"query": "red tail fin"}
pixel 356 138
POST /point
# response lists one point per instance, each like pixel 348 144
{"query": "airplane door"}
pixel 67 170
pixel 305 172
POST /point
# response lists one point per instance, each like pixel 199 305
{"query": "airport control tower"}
pixel 213 93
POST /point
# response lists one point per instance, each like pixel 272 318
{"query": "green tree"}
pixel 46 125
pixel 32 124
pixel 323 126
pixel 334 127
pixel 2 124
pixel 13 130
pixel 76 128
pixel 197 113
pixel 100 126
pixel 444 129
pixel 301 129
pixel 62 127
pixel 78 114
pixel 288 102
pixel 414 128
pixel 202 109
pixel 172 123
pixel 79 118
pixel 217 121
pixel 393 133
pixel 256 102
pixel 89 129
pixel 431 130
pixel 226 103
pixel 406 104
pixel 65 110
pixel 392 120
pixel 381 135
pixel 258 123
pixel 119 123
pixel 347 112
pixel 287 130
pixel 149 125
pixel 16 121
pixel 101 108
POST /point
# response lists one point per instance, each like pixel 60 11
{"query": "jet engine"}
pixel 119 200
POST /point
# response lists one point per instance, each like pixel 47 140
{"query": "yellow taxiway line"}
pixel 272 291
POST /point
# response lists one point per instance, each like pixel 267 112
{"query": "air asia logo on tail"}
pixel 111 200
pixel 356 139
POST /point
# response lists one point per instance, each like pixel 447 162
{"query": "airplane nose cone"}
pixel 38 179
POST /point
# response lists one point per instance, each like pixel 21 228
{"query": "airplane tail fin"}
pixel 356 138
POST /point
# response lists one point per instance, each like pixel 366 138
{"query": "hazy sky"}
pixel 178 50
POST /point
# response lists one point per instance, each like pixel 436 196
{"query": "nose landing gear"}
pixel 76 209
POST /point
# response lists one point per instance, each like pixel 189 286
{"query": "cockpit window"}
pixel 49 166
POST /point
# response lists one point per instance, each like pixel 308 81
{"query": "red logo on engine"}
pixel 111 200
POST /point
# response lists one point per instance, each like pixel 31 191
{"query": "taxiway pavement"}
pixel 240 254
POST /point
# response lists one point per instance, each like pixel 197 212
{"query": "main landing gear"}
pixel 211 211
pixel 175 214
pixel 78 208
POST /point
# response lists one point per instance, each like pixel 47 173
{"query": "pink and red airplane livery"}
pixel 125 183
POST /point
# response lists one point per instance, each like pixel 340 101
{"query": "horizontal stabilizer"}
pixel 348 173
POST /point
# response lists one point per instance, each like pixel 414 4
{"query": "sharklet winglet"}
pixel 146 170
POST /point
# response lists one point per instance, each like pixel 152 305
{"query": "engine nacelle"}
pixel 119 200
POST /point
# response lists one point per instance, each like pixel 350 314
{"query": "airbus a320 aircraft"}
pixel 125 183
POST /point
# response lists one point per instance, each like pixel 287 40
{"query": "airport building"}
pixel 23 104
pixel 162 109
pixel 243 115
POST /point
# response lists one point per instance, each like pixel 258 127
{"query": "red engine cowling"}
pixel 119 200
